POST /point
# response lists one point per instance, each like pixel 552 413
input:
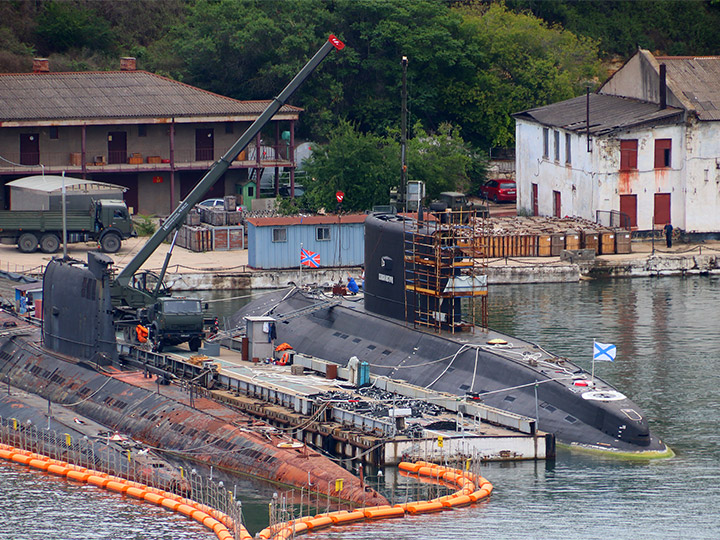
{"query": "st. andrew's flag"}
pixel 604 352
pixel 309 258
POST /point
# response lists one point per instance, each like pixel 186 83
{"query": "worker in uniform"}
pixel 352 286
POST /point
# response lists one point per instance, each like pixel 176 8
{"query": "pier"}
pixel 381 422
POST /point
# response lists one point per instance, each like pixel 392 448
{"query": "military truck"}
pixel 105 221
pixel 172 320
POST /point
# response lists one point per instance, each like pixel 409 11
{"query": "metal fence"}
pixel 613 218
pixel 99 455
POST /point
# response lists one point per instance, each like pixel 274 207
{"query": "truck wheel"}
pixel 110 243
pixel 194 344
pixel 49 243
pixel 27 243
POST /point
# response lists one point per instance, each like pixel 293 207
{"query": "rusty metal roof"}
pixel 306 220
pixel 607 114
pixel 112 95
pixel 698 78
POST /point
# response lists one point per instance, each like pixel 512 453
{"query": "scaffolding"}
pixel 446 271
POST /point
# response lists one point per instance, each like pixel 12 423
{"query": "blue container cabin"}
pixel 275 242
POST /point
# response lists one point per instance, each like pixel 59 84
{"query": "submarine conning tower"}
pixel 77 309
pixel 429 272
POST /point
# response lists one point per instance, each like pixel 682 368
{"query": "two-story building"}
pixel 645 147
pixel 155 136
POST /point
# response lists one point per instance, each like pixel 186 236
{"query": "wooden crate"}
pixel 544 245
pixel 228 238
pixel 75 158
pixel 623 242
pixel 196 239
pixel 590 240
pixel 607 242
pixel 154 159
pixel 572 239
pixel 557 244
pixel 135 160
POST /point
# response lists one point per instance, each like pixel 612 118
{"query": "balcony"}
pixel 132 161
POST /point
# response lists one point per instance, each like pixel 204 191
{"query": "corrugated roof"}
pixel 699 79
pixel 112 94
pixel 306 220
pixel 607 114
pixel 49 183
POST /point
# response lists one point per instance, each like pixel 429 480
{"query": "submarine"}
pixel 412 325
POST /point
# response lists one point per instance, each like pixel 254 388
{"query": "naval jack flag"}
pixel 602 352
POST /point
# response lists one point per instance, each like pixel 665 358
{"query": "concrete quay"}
pixel 228 270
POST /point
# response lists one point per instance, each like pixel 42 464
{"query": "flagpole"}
pixel 301 264
pixel 592 377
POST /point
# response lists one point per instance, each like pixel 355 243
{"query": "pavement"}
pixel 186 261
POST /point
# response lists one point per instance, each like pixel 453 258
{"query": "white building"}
pixel 645 148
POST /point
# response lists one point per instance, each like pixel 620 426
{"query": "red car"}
pixel 499 190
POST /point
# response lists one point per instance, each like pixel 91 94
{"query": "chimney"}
pixel 663 87
pixel 127 63
pixel 41 65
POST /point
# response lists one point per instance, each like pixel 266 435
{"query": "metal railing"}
pixel 613 218
pixel 99 455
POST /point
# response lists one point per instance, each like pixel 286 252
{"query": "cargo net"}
pixel 446 272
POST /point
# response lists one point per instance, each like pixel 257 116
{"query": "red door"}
pixel 535 199
pixel 557 207
pixel 628 207
pixel 29 149
pixel 662 208
pixel 204 145
pixel 117 147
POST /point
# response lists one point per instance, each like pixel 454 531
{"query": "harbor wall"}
pixel 502 271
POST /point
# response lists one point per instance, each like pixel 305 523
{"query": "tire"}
pixel 49 243
pixel 27 243
pixel 110 243
pixel 194 344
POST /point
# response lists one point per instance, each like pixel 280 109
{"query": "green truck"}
pixel 105 221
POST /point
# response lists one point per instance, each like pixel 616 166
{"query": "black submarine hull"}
pixel 519 377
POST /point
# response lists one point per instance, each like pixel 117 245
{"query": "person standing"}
pixel 668 234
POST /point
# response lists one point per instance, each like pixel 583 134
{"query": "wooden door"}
pixel 117 147
pixel 204 144
pixel 628 207
pixel 557 206
pixel 662 208
pixel 30 149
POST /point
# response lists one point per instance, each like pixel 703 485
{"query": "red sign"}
pixel 339 45
pixel 339 196
pixel 157 179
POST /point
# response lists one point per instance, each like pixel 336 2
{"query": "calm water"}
pixel 668 336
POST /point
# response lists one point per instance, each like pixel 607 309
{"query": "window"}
pixel 546 143
pixel 251 190
pixel 322 233
pixel 142 130
pixel 663 153
pixel 557 206
pixel 54 132
pixel 628 154
pixel 557 146
pixel 279 235
pixel 568 159
pixel 662 208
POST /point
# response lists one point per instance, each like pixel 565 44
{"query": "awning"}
pixel 50 183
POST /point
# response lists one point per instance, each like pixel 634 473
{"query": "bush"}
pixel 144 225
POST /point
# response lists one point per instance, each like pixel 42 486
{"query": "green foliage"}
pixel 63 26
pixel 144 225
pixel 363 166
pixel 444 162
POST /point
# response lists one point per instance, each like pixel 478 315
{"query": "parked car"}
pixel 217 203
pixel 499 190
pixel 285 190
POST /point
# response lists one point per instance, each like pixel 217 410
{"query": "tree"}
pixel 363 166
pixel 63 26
pixel 444 161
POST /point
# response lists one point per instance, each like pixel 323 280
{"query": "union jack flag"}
pixel 309 258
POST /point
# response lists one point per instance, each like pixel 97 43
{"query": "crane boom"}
pixel 219 168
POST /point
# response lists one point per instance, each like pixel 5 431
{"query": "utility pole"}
pixel 403 138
